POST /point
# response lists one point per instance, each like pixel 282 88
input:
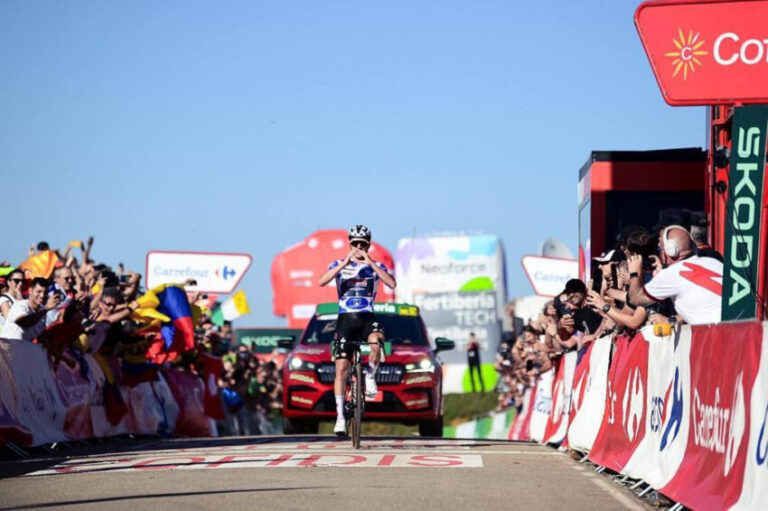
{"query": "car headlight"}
pixel 425 366
pixel 297 364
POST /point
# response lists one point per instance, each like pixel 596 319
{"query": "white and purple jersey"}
pixel 356 285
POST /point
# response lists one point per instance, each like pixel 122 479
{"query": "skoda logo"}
pixel 673 413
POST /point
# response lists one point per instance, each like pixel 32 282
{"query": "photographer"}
pixel 575 315
pixel 694 283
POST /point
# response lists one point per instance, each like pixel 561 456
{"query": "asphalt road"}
pixel 309 473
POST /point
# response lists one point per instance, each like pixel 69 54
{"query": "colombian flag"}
pixel 178 334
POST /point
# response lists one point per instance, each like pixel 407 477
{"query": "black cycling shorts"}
pixel 354 326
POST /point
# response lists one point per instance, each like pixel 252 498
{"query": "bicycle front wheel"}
pixel 357 421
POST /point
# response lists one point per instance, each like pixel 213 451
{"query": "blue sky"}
pixel 244 126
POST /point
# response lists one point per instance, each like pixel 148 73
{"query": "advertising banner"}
pixel 29 392
pixel 754 491
pixel 623 425
pixel 214 272
pixel 519 431
pixel 264 340
pixel 77 386
pixel 712 472
pixel 542 406
pixel 744 211
pixel 296 270
pixel 707 52
pixel 658 456
pixel 548 275
pixel 458 282
pixel 562 388
pixel 590 384
pixel 188 392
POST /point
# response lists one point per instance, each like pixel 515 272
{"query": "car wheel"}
pixel 432 428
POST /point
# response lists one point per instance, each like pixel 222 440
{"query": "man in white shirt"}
pixel 694 283
pixel 26 319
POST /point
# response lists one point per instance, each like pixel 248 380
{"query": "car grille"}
pixel 386 374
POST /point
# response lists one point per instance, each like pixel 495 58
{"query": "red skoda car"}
pixel 409 379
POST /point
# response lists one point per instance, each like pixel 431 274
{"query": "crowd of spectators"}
pixel 70 304
pixel 664 276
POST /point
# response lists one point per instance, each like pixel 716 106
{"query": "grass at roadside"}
pixel 458 408
pixel 465 407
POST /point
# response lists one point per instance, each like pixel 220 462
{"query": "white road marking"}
pixel 264 460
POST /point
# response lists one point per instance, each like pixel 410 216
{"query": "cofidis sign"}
pixel 706 52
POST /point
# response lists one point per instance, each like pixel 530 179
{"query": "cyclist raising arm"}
pixel 357 278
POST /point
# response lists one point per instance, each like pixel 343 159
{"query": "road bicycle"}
pixel 354 395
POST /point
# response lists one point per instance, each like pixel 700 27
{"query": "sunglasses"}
pixel 109 304
pixel 18 281
pixel 360 244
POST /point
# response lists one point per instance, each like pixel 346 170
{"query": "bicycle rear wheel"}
pixel 357 420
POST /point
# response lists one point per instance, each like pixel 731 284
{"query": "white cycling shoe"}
pixel 340 428
pixel 370 385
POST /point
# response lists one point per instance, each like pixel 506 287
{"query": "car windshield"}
pixel 398 330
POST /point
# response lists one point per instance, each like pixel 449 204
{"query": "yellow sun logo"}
pixel 688 50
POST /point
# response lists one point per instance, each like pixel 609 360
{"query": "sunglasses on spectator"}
pixel 109 304
pixel 18 281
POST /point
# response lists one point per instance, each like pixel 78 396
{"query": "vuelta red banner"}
pixel 724 364
pixel 623 424
pixel 707 52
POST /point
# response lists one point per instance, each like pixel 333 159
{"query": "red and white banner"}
pixel 658 456
pixel 522 423
pixel 42 402
pixel 724 363
pixel 754 491
pixel 687 413
pixel 623 425
pixel 588 398
pixel 542 406
pixel 562 388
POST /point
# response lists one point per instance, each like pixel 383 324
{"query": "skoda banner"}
pixel 458 283
pixel 743 215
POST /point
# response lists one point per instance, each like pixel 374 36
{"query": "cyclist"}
pixel 357 278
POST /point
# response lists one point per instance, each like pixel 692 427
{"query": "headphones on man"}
pixel 671 248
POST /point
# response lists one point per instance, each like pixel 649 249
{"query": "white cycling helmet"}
pixel 360 232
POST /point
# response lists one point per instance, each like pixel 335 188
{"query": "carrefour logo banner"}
pixel 707 52
pixel 213 272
